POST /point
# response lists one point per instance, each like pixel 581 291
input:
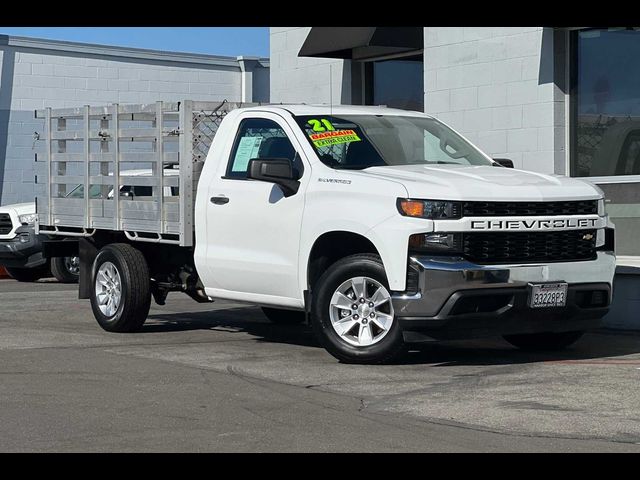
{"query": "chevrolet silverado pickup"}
pixel 380 227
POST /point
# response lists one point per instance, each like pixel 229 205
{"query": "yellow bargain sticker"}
pixel 334 138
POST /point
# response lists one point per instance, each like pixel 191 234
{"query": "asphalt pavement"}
pixel 219 377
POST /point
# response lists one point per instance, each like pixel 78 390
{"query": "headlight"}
pixel 28 219
pixel 436 242
pixel 432 209
pixel 601 210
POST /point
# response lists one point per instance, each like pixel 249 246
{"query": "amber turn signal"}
pixel 412 208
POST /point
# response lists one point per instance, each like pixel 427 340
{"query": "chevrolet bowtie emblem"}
pixel 587 236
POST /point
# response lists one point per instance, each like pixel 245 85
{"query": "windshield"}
pixel 362 141
pixel 78 192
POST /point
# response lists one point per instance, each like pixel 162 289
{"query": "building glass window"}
pixel 606 102
pixel 605 125
pixel 397 83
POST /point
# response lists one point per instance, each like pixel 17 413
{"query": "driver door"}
pixel 253 230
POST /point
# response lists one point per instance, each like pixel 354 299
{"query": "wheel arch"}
pixel 332 246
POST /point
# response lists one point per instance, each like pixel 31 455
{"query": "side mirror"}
pixel 274 170
pixel 505 162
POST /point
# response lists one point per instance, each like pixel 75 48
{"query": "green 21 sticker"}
pixel 321 125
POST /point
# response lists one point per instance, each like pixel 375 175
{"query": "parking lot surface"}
pixel 220 377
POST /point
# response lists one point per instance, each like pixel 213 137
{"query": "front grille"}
pixel 497 209
pixel 5 223
pixel 507 247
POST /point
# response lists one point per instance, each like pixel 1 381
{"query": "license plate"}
pixel 547 295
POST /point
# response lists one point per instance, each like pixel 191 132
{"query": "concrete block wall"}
pixel 298 79
pixel 497 86
pixel 34 78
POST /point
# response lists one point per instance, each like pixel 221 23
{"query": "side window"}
pixel 260 138
pixel 142 191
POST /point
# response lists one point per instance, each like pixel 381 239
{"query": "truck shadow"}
pixel 595 348
pixel 249 320
pixel 598 348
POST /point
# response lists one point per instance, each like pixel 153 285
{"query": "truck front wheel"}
pixel 543 341
pixel 352 313
pixel 121 294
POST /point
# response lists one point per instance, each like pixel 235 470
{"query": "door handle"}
pixel 221 200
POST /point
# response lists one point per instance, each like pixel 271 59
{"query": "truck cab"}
pixel 381 227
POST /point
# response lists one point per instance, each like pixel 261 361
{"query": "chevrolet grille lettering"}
pixel 540 224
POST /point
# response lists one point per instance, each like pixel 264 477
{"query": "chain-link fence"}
pixel 205 125
pixel 590 131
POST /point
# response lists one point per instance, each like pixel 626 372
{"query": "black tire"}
pixel 540 342
pixel 135 298
pixel 281 316
pixel 27 274
pixel 385 350
pixel 63 272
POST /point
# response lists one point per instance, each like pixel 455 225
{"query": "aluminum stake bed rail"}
pixel 90 146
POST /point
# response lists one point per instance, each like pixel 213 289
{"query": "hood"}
pixel 482 183
pixel 19 208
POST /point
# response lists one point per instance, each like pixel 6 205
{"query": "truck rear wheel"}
pixel 543 341
pixel 281 316
pixel 66 269
pixel 352 313
pixel 121 294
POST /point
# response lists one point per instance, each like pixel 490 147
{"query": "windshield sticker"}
pixel 334 138
pixel 321 125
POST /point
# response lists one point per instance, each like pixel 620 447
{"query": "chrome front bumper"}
pixel 440 278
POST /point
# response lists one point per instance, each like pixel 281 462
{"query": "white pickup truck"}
pixel 382 227
pixel 21 249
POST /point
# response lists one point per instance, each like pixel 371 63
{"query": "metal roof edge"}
pixel 125 52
